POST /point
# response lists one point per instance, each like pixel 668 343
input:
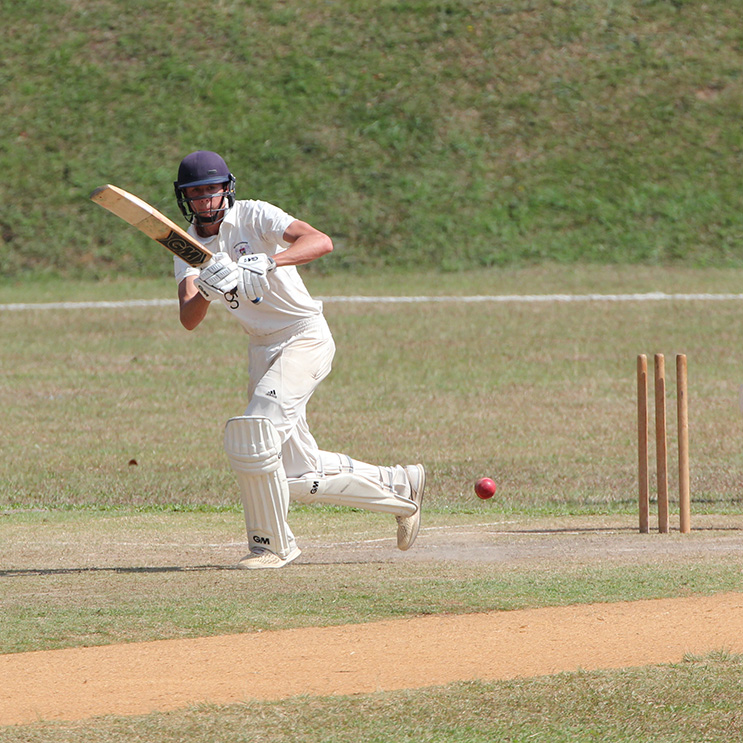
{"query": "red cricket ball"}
pixel 485 488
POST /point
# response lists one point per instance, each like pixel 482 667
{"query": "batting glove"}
pixel 218 277
pixel 253 276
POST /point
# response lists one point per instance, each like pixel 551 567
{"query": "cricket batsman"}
pixel 257 249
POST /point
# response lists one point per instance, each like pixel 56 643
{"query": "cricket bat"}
pixel 149 220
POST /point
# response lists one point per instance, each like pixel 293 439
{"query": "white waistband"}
pixel 308 323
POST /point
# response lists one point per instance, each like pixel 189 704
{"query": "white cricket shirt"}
pixel 258 227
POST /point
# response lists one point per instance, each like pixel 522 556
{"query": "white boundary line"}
pixel 498 298
pixel 536 298
pixel 87 305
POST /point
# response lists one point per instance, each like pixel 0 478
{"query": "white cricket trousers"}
pixel 284 370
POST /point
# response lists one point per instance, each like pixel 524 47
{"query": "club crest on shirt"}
pixel 243 248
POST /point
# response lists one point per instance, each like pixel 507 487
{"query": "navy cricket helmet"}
pixel 204 168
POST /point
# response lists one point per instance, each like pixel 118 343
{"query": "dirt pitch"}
pixel 138 678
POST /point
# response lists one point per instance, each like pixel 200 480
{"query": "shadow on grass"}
pixel 609 530
pixel 12 573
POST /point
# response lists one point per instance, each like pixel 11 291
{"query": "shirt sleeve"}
pixel 182 269
pixel 273 223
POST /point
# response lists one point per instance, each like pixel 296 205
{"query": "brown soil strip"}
pixel 133 679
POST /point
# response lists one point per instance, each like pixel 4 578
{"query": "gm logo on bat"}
pixel 176 244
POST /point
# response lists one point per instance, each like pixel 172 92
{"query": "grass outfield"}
pixel 540 396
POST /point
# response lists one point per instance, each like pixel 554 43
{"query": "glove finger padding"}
pixel 246 288
pixel 219 276
pixel 253 280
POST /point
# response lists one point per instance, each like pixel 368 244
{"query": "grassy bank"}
pixel 446 135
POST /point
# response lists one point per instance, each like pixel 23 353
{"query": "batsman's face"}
pixel 206 201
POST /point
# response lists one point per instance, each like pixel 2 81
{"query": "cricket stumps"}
pixel 661 446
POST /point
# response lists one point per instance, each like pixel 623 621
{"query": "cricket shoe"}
pixel 408 526
pixel 262 558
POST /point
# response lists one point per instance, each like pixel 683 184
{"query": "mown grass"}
pixel 69 596
pixel 428 134
pixel 696 700
pixel 539 396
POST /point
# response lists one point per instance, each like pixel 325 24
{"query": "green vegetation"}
pixel 449 135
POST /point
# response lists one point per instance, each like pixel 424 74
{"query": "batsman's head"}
pixel 205 188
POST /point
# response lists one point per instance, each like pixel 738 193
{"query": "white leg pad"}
pixel 253 447
pixel 348 489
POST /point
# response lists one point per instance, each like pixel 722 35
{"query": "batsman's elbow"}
pixel 192 314
pixel 189 323
pixel 326 244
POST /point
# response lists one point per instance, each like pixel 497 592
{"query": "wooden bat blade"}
pixel 153 223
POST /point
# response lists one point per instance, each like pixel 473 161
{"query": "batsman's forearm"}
pixel 193 307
